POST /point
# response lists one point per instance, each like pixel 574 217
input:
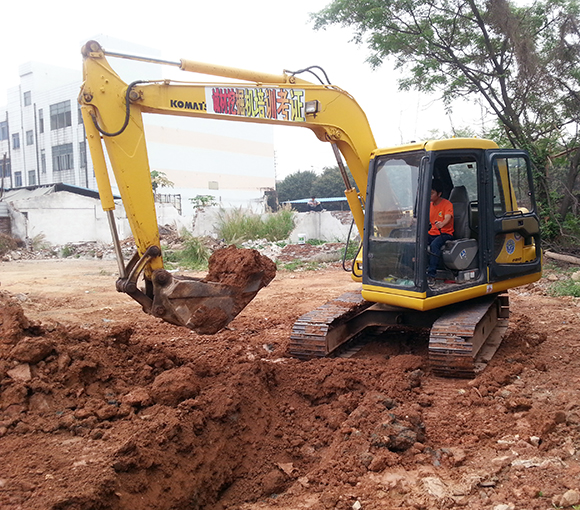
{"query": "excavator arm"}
pixel 112 113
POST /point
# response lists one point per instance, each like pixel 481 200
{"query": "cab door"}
pixel 512 223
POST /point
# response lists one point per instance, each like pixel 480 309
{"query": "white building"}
pixel 42 140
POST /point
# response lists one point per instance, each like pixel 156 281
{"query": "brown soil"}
pixel 104 407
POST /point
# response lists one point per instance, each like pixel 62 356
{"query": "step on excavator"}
pixel 495 245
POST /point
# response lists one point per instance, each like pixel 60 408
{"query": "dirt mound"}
pixel 121 411
pixel 239 267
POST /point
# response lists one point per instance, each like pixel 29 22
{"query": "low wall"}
pixel 330 226
pixel 68 218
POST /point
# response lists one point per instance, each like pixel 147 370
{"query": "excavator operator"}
pixel 441 231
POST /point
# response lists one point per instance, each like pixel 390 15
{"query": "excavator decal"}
pixel 258 103
pixel 188 105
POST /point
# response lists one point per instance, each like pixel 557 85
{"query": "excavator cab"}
pixel 496 227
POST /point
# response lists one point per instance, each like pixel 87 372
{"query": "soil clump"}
pixel 105 407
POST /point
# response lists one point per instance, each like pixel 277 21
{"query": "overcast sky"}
pixel 264 35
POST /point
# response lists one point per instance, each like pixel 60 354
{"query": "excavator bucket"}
pixel 207 305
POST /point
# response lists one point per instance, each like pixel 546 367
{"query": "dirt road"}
pixel 104 407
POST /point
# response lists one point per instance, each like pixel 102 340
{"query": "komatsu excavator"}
pixel 496 243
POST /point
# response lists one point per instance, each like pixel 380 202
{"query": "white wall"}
pixel 320 225
pixel 62 218
pixel 312 225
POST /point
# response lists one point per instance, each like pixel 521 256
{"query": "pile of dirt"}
pixel 132 412
pixel 239 267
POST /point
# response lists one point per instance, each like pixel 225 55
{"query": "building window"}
pixel 62 157
pixel 4 130
pixel 16 140
pixel 83 153
pixel 17 179
pixel 43 161
pixel 60 115
pixel 29 137
pixel 4 167
pixel 41 120
pixel 32 177
pixel 27 98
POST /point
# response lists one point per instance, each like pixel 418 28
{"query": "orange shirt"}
pixel 438 213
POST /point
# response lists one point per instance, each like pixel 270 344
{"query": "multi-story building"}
pixel 42 141
pixel 41 135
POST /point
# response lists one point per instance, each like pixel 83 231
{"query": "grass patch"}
pixel 239 225
pixel 565 288
pixel 351 250
pixel 194 255
pixel 299 265
pixel 565 285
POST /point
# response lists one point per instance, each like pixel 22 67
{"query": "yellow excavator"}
pixel 496 244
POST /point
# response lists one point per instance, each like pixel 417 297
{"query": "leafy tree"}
pixel 330 183
pixel 160 180
pixel 295 186
pixel 522 61
pixel 304 184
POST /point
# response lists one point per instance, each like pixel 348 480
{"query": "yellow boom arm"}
pixel 112 113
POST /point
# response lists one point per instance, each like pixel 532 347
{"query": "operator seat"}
pixel 460 253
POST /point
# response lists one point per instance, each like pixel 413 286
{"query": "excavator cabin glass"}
pixel 393 233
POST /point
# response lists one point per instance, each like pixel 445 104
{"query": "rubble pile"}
pixel 172 240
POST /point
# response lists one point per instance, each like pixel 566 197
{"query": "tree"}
pixel 522 61
pixel 305 184
pixel 159 180
pixel 296 185
pixel 330 183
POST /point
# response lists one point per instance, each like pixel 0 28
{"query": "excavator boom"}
pixel 112 113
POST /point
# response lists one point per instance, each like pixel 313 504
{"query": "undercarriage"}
pixel 463 337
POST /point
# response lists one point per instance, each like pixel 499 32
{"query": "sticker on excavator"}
pixel 258 102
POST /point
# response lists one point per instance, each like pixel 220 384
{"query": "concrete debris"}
pixel 569 499
pixel 172 240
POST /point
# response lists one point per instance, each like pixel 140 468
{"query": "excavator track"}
pixel 465 338
pixel 319 332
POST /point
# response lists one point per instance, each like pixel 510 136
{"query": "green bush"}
pixel 238 225
pixel 39 242
pixel 67 251
pixel 277 226
pixel 201 201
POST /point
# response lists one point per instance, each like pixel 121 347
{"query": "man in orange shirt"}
pixel 441 231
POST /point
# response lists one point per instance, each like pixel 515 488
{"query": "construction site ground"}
pixel 105 407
